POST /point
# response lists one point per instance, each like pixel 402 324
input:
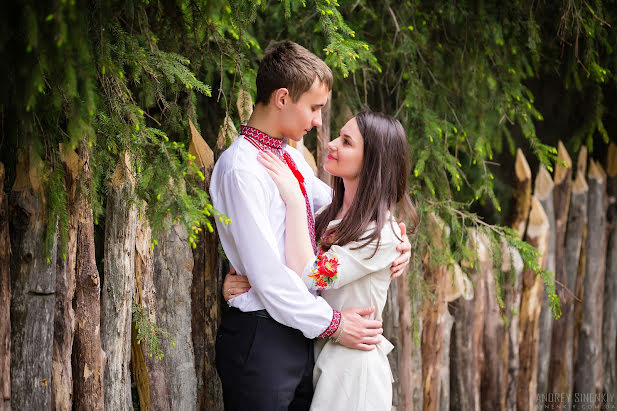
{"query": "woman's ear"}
pixel 281 97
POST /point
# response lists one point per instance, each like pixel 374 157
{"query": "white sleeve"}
pixel 342 265
pixel 242 196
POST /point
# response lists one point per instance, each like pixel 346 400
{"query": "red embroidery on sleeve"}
pixel 336 320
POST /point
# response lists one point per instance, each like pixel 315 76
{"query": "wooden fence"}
pixel 68 340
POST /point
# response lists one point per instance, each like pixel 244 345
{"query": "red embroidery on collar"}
pixel 261 137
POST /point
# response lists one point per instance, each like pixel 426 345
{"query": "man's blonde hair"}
pixel 291 66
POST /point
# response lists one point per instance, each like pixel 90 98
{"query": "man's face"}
pixel 298 118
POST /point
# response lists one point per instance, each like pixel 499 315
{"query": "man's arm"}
pixel 242 197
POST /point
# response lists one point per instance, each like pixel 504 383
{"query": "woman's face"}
pixel 346 152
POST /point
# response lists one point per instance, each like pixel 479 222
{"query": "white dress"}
pixel 344 378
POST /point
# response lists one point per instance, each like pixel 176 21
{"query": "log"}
pixel 588 365
pixel 531 300
pixel 466 354
pixel 173 265
pixel 118 285
pixel 519 209
pixel 512 265
pixel 64 317
pixel 391 331
pixel 88 357
pixel 206 297
pixel 5 300
pixel 609 322
pixel 436 327
pixel 544 193
pixel 509 334
pixel 149 374
pixel 323 138
pixel 562 339
pixel 579 274
pixel 405 361
pixel 33 287
pixel 497 343
pixel 494 343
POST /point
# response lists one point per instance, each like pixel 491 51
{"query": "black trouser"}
pixel 263 364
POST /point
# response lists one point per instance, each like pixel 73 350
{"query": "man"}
pixel 264 345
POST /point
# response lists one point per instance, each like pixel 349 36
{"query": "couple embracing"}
pixel 304 328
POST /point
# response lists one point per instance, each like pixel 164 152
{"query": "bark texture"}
pixel 436 329
pixel 206 286
pixel 173 265
pixel 531 300
pixel 588 366
pixel 408 353
pixel 522 197
pixel 609 322
pixel 544 193
pixel 466 354
pixel 64 318
pixel 33 287
pixel 562 341
pixel 149 374
pixel 5 300
pixel 118 286
pixel 88 358
pixel 512 263
pixel 495 343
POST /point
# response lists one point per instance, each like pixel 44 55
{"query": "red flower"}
pixel 327 266
pixel 321 283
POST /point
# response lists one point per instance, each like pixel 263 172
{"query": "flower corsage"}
pixel 324 270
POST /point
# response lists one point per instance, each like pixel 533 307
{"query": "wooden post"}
pixel 88 357
pixel 512 263
pixel 391 331
pixel 408 353
pixel 533 287
pixel 64 318
pixel 436 328
pixel 149 373
pixel 544 193
pixel 323 138
pixel 562 340
pixel 522 195
pixel 466 354
pixel 495 343
pixel 173 265
pixel 609 322
pixel 588 368
pixel 118 286
pixel 5 300
pixel 206 297
pixel 33 287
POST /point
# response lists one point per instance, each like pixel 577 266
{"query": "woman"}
pixel 358 232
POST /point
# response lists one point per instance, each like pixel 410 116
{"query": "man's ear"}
pixel 281 97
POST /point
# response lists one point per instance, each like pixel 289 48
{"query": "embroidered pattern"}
pixel 324 270
pixel 264 142
pixel 336 320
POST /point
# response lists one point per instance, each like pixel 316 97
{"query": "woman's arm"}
pixel 298 247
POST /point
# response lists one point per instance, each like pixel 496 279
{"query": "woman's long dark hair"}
pixel 382 186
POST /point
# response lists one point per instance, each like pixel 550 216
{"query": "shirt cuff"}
pixel 336 320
